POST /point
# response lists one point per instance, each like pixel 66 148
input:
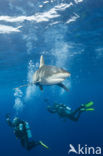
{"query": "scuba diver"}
pixel 66 112
pixel 23 133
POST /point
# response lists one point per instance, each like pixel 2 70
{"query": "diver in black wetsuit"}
pixel 23 133
pixel 66 112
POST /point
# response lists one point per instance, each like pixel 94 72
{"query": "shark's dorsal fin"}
pixel 41 61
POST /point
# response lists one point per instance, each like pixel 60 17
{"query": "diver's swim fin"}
pixel 41 143
pixel 90 109
pixel 89 104
pixel 86 109
pixel 63 86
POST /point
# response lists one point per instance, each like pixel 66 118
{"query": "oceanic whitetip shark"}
pixel 48 75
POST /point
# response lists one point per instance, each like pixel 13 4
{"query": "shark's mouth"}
pixel 62 75
pixel 51 81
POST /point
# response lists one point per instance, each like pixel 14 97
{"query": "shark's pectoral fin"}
pixel 63 86
pixel 41 87
pixel 41 61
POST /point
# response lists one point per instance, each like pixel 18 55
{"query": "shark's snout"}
pixel 66 74
pixel 62 75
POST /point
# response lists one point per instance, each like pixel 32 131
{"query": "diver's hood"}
pixel 16 121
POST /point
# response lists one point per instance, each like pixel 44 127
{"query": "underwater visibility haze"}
pixel 69 35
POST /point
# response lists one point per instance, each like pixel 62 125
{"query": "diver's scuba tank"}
pixel 21 127
pixel 28 130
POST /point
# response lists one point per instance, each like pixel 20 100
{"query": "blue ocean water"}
pixel 69 34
